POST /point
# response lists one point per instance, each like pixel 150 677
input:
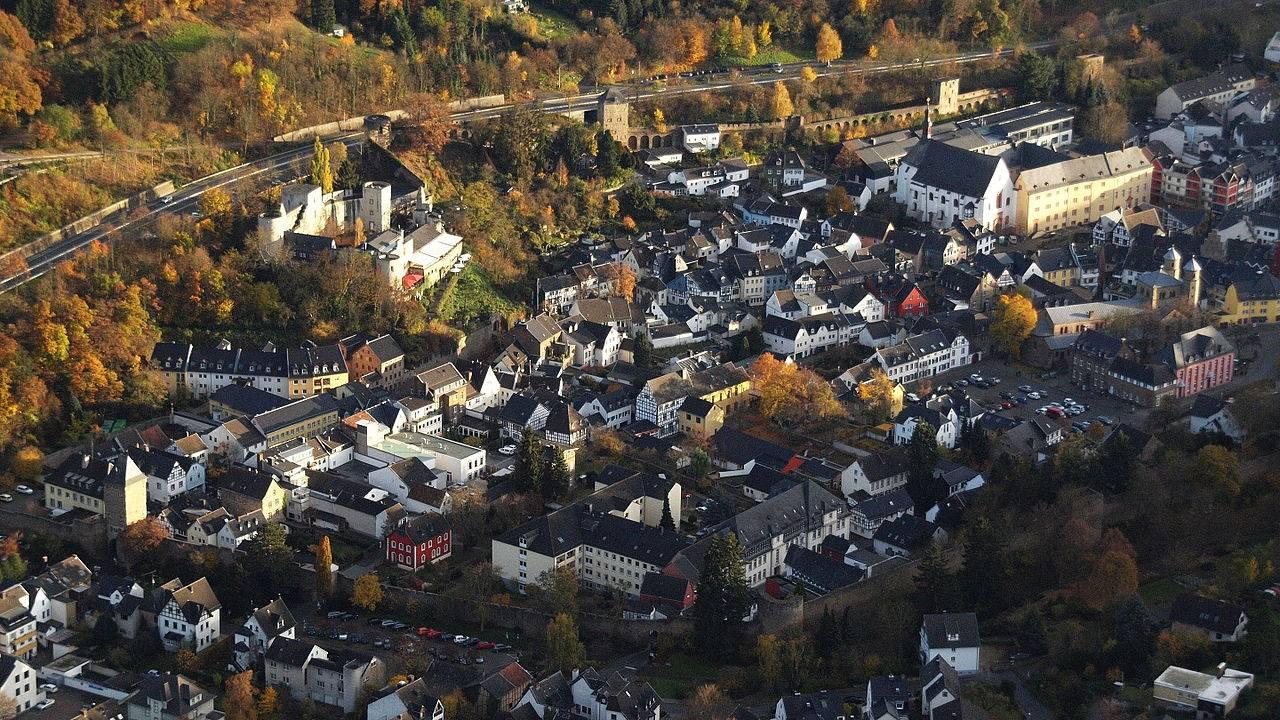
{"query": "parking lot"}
pixel 67 703
pixel 1051 388
pixel 370 634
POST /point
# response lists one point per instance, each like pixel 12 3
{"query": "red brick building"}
pixel 419 542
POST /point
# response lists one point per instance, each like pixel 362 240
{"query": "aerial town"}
pixel 568 360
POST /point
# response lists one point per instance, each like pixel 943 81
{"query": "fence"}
pixel 332 128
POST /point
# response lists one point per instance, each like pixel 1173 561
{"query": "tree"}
pixel 1012 322
pixel 1217 467
pixel 790 394
pixel 1039 75
pixel 142 537
pixel 608 154
pixel 561 586
pixel 986 573
pixel 67 23
pixel 458 707
pixel 838 200
pixel 829 46
pixel 808 74
pixel 642 351
pixel 321 169
pixel 780 107
pixel 769 660
pixel 367 592
pixel 323 16
pixel 565 651
pixel 1114 573
pixel 1117 463
pixel 267 703
pixel 555 476
pixel 710 703
pixel 699 465
pixel 215 203
pixel 324 568
pixel 922 458
pixel 528 475
pixel 238 697
pixel 881 395
pixel 105 629
pixel 723 597
pixel 667 522
pixel 936 588
pixel 187 661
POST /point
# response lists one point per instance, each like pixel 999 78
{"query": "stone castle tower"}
pixel 945 94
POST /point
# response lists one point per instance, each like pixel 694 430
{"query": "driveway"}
pixel 1031 707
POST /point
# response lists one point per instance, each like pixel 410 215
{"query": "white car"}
pixel 507 450
pixel 44 704
pixel 49 687
pixel 460 639
pixel 25 490
pixel 166 199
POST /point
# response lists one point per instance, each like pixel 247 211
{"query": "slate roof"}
pixel 907 532
pixel 951 630
pixel 246 400
pixel 1202 612
pixel 952 169
pixel 819 573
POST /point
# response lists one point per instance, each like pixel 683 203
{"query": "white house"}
pixel 168 474
pixel 946 423
pixel 923 355
pixel 19 684
pixel 939 184
pixel 699 138
pixel 1219 87
pixel 952 637
pixel 265 624
pixel 405 699
pixel 811 334
pixel 189 616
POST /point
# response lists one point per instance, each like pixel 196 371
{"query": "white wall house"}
pixel 953 637
pixel 940 184
pixel 924 355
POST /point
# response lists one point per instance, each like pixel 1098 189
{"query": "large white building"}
pixel 1218 87
pixel 924 355
pixel 939 184
pixel 18 684
pixel 418 259
pixel 610 538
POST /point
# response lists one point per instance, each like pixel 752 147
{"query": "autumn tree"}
pixel 238 702
pixel 142 537
pixel 624 279
pixel 790 394
pixel 829 47
pixel 565 651
pixel 268 702
pixel 1114 573
pixel 67 23
pixel 709 702
pixel 780 107
pixel 367 592
pixel 881 395
pixel 321 169
pixel 1012 322
pixel 838 200
pixel 324 568
pixel 20 92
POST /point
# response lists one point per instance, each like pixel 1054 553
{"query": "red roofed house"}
pixel 419 542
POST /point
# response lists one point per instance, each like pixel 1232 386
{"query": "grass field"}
pixel 553 25
pixel 1160 592
pixel 771 55
pixel 684 674
pixel 472 299
pixel 189 37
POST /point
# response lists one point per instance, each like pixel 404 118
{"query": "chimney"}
pixel 84 462
pixel 1222 669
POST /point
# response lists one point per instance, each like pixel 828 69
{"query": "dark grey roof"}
pixel 907 532
pixel 247 400
pixel 884 505
pixel 1202 612
pixel 951 168
pixel 814 706
pixel 951 630
pixel 296 412
pixel 819 573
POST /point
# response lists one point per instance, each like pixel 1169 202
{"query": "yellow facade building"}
pixel 1080 190
pixel 1254 300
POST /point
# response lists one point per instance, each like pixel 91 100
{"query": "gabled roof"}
pixel 951 630
pixel 952 169
pixel 1202 612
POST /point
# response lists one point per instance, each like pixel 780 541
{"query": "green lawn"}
pixel 773 54
pixel 472 299
pixel 188 37
pixel 1160 592
pixel 682 677
pixel 553 25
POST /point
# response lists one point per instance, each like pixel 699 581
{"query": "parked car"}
pixel 1025 388
pixel 6 497
pixel 912 397
pixel 427 632
pixel 334 614
pixel 1006 405
pixel 375 621
pixel 1006 394
pixel 48 687
pixel 962 383
pixel 484 645
pixel 1106 420
pixel 25 490
pixel 501 647
pixel 388 623
pixel 460 640
pixel 44 704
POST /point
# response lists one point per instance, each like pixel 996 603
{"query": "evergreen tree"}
pixel 608 155
pixel 724 597
pixel 1117 463
pixel 555 476
pixel 922 458
pixel 402 35
pixel 323 16
pixel 528 475
pixel 642 353
pixel 827 640
pixel 667 522
pixel 1131 629
pixel 986 575
pixel 936 589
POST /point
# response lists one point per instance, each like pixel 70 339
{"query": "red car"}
pixel 1054 412
pixel 485 645
pixel 427 632
pixel 1006 405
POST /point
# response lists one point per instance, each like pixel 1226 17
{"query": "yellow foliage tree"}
pixel 790 394
pixel 1012 322
pixel 780 106
pixel 367 592
pixel 808 74
pixel 829 46
pixel 881 395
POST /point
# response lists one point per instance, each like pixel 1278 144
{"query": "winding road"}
pixel 41 261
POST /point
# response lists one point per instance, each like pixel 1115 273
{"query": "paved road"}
pixel 183 201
